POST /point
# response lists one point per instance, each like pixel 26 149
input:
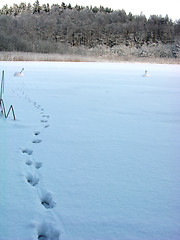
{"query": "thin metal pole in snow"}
pixel 3 81
pixel 2 106
pixel 11 109
pixel 2 89
pixel 3 111
pixel 2 85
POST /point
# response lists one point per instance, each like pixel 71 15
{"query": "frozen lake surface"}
pixel 94 152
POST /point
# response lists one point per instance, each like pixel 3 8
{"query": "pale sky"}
pixel 158 7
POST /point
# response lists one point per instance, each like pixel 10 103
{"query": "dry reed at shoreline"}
pixel 55 57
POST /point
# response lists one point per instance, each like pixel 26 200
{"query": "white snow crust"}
pixel 94 152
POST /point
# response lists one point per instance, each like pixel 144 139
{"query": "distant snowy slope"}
pixel 93 154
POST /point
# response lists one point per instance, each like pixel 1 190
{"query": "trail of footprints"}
pixel 46 230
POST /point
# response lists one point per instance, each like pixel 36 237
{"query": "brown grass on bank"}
pixel 55 57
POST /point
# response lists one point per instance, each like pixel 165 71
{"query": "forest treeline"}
pixel 45 28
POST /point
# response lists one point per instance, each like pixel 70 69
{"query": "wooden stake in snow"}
pixel 19 74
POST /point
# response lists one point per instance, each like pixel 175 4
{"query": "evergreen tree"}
pixel 36 7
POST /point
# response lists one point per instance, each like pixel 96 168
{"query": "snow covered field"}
pixel 94 153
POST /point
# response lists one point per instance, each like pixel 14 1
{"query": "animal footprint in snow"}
pixel 36 141
pixel 45 116
pixel 27 151
pixel 32 180
pixel 43 236
pixel 46 201
pixel 46 232
pixel 38 165
pixel 29 162
pixel 46 126
pixel 44 121
pixel 36 133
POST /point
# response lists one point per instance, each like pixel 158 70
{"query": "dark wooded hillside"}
pixel 45 28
